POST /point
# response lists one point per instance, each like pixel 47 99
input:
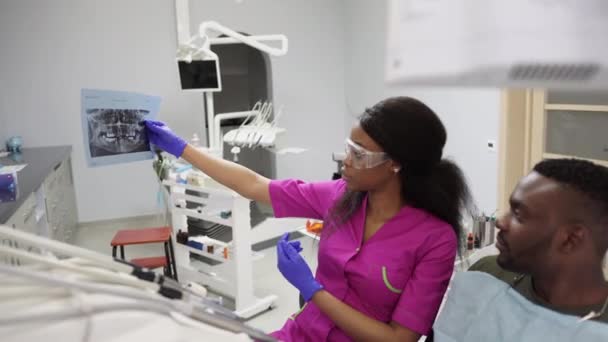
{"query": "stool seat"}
pixel 150 262
pixel 162 235
pixel 141 236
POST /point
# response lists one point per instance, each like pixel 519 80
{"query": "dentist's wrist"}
pixel 178 147
pixel 313 287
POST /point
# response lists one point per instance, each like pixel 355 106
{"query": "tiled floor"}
pixel 267 279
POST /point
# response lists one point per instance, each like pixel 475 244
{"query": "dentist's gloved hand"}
pixel 294 268
pixel 295 244
pixel 161 135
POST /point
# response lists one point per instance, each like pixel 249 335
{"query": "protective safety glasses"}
pixel 361 158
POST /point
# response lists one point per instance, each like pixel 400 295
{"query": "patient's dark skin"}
pixel 556 233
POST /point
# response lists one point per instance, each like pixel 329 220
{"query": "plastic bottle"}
pixel 470 241
pixel 196 142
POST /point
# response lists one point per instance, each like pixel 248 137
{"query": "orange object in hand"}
pixel 314 227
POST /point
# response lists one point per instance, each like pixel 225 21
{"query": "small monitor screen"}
pixel 199 75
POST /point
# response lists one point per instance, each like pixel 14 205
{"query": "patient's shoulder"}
pixel 490 265
pixel 486 264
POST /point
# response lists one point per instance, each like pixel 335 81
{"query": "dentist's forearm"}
pixel 357 325
pixel 244 181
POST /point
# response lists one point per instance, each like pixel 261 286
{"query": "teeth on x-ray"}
pixel 116 131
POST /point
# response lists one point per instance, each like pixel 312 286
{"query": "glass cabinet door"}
pixel 576 124
pixel 577 133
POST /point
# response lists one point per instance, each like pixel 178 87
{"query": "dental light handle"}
pixel 249 40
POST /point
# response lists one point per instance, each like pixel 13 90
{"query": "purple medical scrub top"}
pixel 399 274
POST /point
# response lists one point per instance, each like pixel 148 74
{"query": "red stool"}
pixel 151 262
pixel 148 235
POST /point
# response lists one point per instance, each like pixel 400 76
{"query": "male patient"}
pixel 549 273
pixel 553 239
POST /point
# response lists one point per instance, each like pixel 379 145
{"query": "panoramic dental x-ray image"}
pixel 116 131
pixel 112 126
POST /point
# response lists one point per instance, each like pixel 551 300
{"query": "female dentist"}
pixel 392 223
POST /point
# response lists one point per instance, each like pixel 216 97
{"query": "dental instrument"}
pixel 29 258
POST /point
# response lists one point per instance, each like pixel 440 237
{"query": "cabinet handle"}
pixel 57 166
pixel 46 209
pixel 29 215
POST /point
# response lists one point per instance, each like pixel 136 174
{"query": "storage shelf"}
pixel 219 257
pixel 215 257
pixel 576 108
pixel 232 276
pixel 227 193
pixel 211 218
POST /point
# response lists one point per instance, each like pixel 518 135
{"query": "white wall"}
pixel 471 116
pixel 308 81
pixel 3 133
pixel 52 49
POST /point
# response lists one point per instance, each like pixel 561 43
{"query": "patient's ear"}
pixel 571 238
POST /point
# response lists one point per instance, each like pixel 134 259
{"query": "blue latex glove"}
pixel 294 268
pixel 295 244
pixel 161 135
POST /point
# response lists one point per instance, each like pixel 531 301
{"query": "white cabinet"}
pixel 25 217
pixel 60 201
pixel 569 125
pixel 537 124
pixel 50 210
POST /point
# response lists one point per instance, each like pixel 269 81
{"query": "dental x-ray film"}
pixel 112 126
